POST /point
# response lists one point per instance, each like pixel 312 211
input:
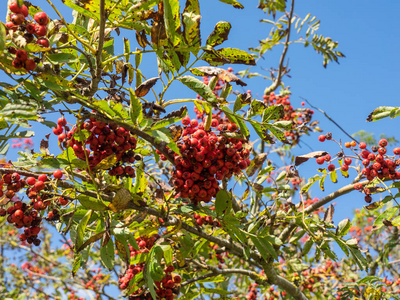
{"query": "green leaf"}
pixel 222 202
pixel 76 264
pixel 168 254
pixel 273 112
pixel 199 87
pixel 387 214
pixel 168 121
pixel 54 82
pixel 307 247
pixel 260 247
pixel 262 132
pixel 234 3
pixel 359 258
pixel 135 108
pixel 219 34
pixel 381 112
pixel 333 176
pixel 91 203
pixel 172 20
pixel 266 243
pixel 107 255
pixel 81 10
pixel 343 227
pixel 3 33
pixel 228 56
pixel 80 230
pixel 191 25
pixel 140 180
pixel 277 132
pixel 19 111
pixel 127 49
pixel 59 58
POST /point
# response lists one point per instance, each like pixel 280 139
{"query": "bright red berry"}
pixel 383 143
pixel 321 138
pixel 31 180
pixel 41 18
pixel 57 174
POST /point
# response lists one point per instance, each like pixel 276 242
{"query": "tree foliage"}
pixel 153 197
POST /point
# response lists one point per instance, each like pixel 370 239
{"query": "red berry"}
pixel 24 10
pixel 41 18
pixel 331 167
pixel 43 42
pixel 186 121
pixel 57 174
pixel 383 143
pixel 396 150
pixel 30 28
pixel 17 64
pixel 30 64
pixel 327 157
pixel 194 123
pixel 31 180
pixel 320 160
pixel 362 145
pixel 21 55
pixel 344 167
pixel 40 30
pixel 17 19
pixel 321 138
pixel 61 121
pixel 42 177
pixel 39 185
pixel 15 8
pixel 347 161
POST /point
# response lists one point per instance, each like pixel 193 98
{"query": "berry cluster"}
pixel 377 164
pixel 207 157
pixel 200 220
pixel 165 289
pixel 252 295
pixel 29 31
pixel 103 141
pixel 28 215
pixel 296 116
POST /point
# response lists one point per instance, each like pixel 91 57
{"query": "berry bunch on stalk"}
pixel 94 141
pixel 32 31
pixel 298 117
pixel 28 215
pixel 376 162
pixel 165 289
pixel 207 157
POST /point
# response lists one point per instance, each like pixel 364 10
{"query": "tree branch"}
pixel 278 79
pixel 99 54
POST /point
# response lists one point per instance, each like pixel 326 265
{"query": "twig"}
pixel 99 54
pixel 330 119
pixel 278 79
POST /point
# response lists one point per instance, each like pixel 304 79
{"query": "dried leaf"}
pixel 219 72
pixel 329 214
pixel 145 87
pixel 303 158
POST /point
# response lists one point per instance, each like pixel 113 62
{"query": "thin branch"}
pixel 99 54
pixel 330 119
pixel 278 79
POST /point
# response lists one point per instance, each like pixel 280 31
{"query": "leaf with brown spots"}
pixel 219 34
pixel 191 25
pixel 228 55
